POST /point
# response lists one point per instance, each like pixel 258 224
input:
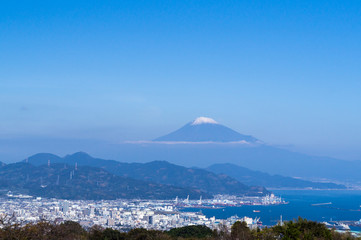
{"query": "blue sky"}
pixel 286 72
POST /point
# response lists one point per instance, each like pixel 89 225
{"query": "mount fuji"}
pixel 204 142
pixel 205 129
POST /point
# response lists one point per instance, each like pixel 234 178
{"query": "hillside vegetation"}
pixel 299 229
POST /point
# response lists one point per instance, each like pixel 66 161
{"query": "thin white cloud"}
pixel 185 142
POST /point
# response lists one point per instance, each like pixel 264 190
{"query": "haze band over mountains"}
pixel 217 153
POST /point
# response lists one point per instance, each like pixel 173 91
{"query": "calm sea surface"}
pixel 345 206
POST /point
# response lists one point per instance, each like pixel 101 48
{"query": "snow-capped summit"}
pixel 203 120
pixel 204 129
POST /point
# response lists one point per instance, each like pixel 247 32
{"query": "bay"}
pixel 345 206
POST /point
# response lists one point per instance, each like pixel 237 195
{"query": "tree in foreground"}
pixel 196 231
pixel 300 229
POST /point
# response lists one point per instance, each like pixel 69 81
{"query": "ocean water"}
pixel 345 207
